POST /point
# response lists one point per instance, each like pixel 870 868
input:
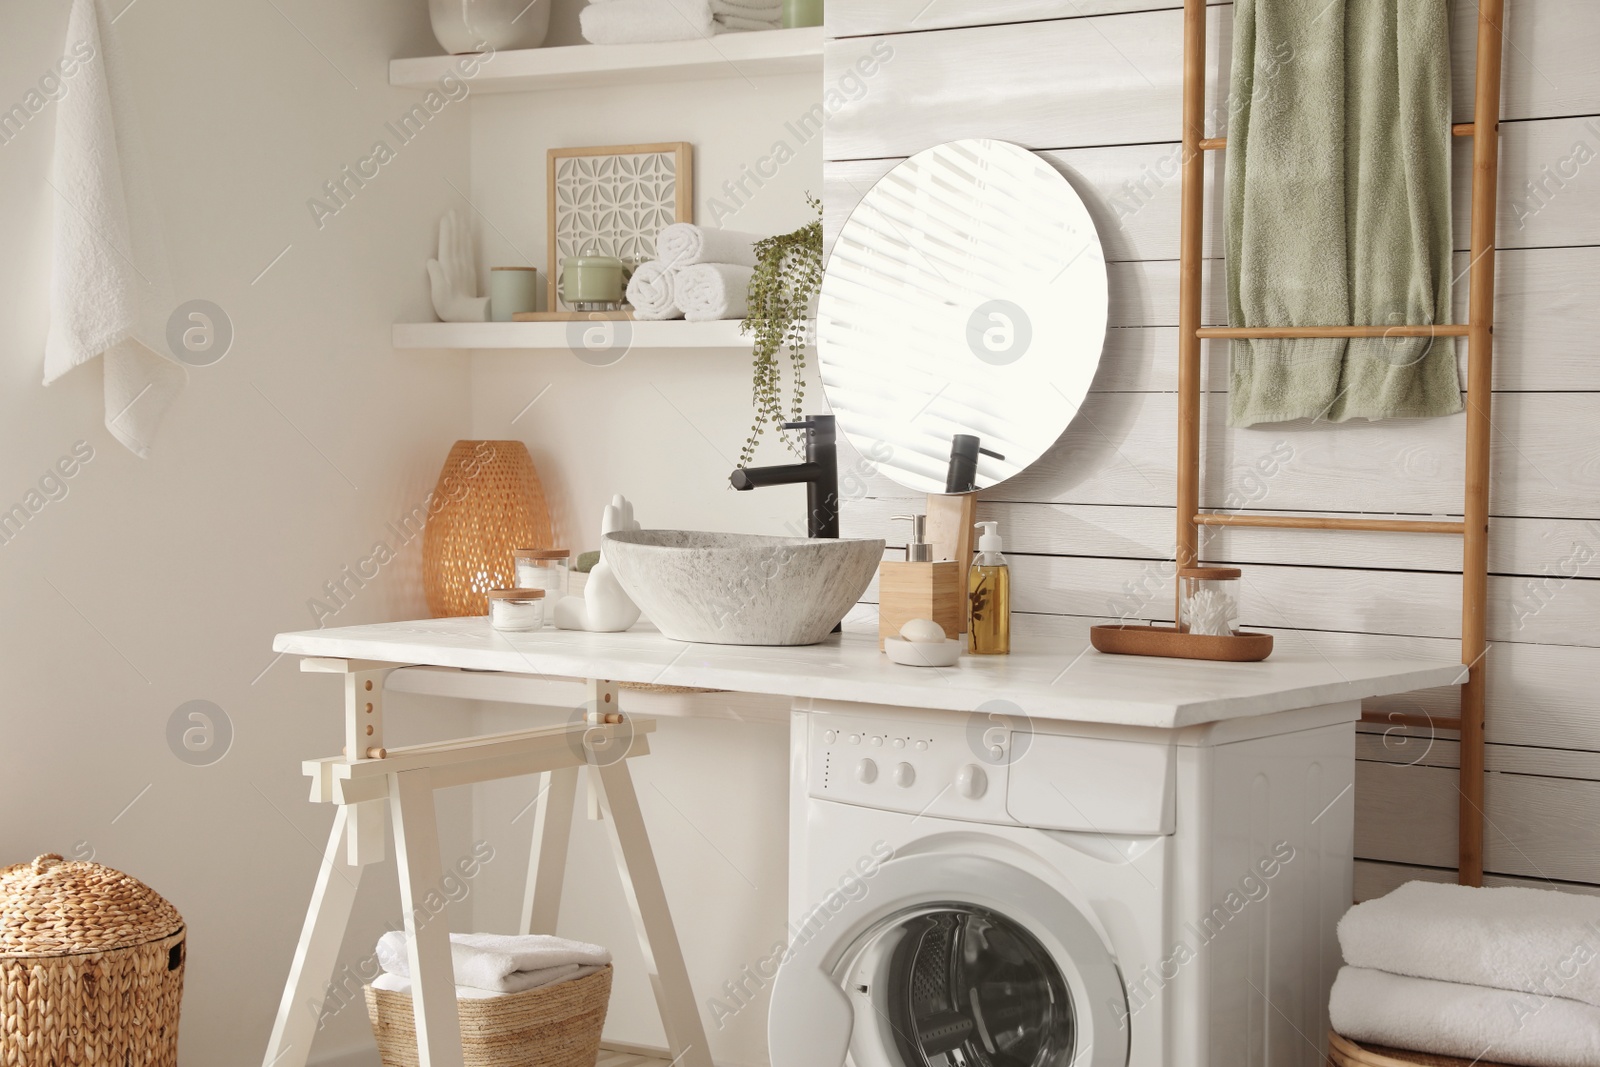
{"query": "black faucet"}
pixel 820 473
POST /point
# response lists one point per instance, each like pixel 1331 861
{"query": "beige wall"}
pixel 156 582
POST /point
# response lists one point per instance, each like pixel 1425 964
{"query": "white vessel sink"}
pixel 742 589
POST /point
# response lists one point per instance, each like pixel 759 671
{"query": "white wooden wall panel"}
pixel 905 16
pixel 1029 82
pixel 1092 521
pixel 1535 827
pixel 1529 547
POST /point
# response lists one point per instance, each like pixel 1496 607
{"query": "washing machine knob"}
pixel 867 772
pixel 971 782
pixel 904 775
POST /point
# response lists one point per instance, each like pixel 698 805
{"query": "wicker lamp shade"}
pixel 487 503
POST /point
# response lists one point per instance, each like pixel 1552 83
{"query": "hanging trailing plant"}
pixel 787 277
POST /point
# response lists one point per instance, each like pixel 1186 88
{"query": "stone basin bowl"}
pixel 742 589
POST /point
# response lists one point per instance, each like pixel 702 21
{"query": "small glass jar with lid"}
pixel 516 609
pixel 544 568
pixel 1208 601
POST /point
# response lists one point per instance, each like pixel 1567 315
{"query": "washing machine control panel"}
pixel 941 769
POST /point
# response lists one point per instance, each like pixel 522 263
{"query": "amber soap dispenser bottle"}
pixel 989 597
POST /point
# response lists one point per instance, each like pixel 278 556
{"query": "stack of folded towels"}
pixel 641 21
pixel 495 965
pixel 697 274
pixel 1501 975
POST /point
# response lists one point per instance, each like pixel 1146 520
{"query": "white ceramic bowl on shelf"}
pixel 464 26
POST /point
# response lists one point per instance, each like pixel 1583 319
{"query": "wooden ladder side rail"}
pixel 1479 331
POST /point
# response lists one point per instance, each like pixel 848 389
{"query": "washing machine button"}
pixel 971 782
pixel 922 746
pixel 855 739
pixel 830 736
pixel 866 772
pixel 904 775
pixel 877 742
pixel 997 752
pixel 899 742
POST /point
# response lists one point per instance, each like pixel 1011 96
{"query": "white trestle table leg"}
pixel 547 862
pixel 433 990
pixel 317 952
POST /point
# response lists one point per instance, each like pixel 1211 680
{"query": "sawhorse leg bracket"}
pixel 368 778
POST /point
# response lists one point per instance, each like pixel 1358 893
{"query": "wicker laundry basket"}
pixel 1343 1052
pixel 91 968
pixel 556 1026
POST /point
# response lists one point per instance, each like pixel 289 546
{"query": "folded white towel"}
pixel 643 21
pixel 683 243
pixel 494 961
pixel 653 291
pixel 713 291
pixel 739 24
pixel 750 9
pixel 109 284
pixel 1471 1022
pixel 1534 940
pixel 519 983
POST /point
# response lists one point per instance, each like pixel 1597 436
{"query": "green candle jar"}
pixel 592 282
pixel 801 13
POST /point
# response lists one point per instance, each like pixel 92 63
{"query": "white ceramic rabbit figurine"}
pixel 605 608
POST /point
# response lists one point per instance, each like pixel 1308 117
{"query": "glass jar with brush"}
pixel 1208 601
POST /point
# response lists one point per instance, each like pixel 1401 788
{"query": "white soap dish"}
pixel 923 653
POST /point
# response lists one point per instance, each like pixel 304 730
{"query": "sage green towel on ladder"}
pixel 1338 207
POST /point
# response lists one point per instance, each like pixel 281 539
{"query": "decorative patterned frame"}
pixel 617 195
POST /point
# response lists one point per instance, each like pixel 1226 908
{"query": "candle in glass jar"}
pixel 543 568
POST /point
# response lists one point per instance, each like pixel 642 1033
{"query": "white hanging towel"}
pixel 109 284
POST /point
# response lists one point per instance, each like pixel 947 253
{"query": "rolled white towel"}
pixel 683 243
pixel 1472 1022
pixel 1533 940
pixel 645 21
pixel 713 291
pixel 519 983
pixel 494 961
pixel 736 24
pixel 653 291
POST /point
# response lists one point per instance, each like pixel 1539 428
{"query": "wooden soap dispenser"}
pixel 919 588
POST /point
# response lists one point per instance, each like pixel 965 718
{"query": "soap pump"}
pixel 918 587
pixel 989 597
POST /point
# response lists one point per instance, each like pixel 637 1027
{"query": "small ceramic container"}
pixel 512 290
pixel 592 282
pixel 516 609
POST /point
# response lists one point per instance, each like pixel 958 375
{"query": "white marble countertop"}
pixel 1046 677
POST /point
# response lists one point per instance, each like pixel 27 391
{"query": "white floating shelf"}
pixel 728 55
pixel 555 336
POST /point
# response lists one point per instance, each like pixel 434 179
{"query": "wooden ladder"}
pixel 1479 332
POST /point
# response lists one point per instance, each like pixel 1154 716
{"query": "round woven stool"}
pixel 1343 1052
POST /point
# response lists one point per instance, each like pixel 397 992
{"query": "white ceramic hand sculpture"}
pixel 605 608
pixel 454 277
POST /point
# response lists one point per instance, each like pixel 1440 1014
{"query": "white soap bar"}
pixel 923 632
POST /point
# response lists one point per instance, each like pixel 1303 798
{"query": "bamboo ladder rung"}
pixel 1217 144
pixel 1251 332
pixel 1318 522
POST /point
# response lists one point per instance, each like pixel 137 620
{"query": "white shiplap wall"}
pixel 1095 85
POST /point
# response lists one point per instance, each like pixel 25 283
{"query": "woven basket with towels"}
pixel 552 1026
pixel 525 1000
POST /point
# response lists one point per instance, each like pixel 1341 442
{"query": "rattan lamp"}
pixel 487 503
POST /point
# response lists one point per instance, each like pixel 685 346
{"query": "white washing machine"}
pixel 980 891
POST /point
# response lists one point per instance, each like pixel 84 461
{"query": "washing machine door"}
pixel 948 961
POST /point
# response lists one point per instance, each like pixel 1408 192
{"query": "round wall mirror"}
pixel 963 308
